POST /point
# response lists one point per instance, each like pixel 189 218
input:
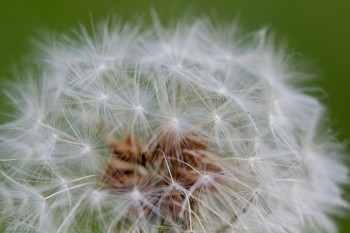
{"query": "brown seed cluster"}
pixel 169 171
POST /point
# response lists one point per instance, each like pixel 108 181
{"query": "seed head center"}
pixel 168 169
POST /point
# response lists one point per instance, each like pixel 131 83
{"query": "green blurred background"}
pixel 318 30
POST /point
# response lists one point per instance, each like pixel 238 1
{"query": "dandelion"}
pixel 180 129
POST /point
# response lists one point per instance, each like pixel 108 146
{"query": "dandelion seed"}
pixel 222 91
pixel 175 121
pixel 136 195
pixel 217 118
pixel 101 67
pixel 139 108
pixel 103 97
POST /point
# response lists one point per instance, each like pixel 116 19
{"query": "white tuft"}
pixel 279 174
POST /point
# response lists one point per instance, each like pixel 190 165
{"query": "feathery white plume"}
pixel 186 129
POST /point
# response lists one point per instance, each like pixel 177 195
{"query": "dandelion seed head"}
pixel 180 129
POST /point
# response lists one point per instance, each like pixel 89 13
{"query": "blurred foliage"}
pixel 317 30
